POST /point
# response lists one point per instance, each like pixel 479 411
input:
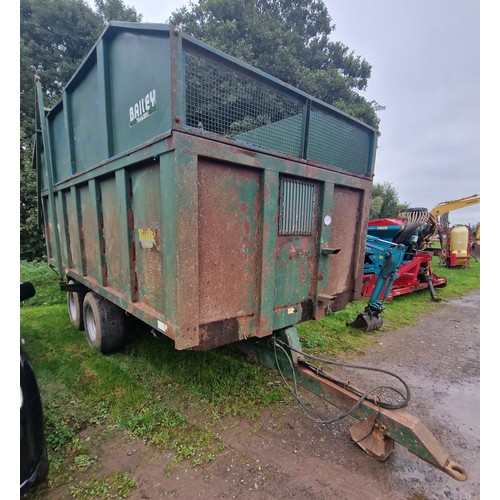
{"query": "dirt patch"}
pixel 286 455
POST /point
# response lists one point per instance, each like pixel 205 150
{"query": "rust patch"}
pixel 145 203
pixel 307 310
pixel 133 256
pixel 340 301
pixel 346 220
pixel 229 240
pixel 302 273
pixel 73 231
pixel 218 333
pixel 88 243
pixel 104 270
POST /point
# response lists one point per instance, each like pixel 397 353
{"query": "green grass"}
pixel 117 485
pixel 46 283
pixel 171 400
pixel 174 401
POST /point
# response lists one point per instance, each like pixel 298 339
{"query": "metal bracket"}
pixel 291 338
pixel 324 297
pixel 369 434
pixel 329 251
pixel 68 287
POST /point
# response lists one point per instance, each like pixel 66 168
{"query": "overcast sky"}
pixel 425 59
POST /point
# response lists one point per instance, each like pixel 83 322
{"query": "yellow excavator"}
pixel 447 206
pixel 457 242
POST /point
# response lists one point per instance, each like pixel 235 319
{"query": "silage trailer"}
pixel 213 202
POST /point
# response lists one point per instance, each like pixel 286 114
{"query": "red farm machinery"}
pixel 413 229
pixel 396 262
pixel 398 255
pixel 458 243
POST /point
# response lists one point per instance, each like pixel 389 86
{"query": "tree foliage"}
pixel 116 10
pixel 32 244
pixel 290 39
pixel 55 36
pixel 385 201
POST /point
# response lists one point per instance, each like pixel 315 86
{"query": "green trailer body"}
pixel 201 195
pixel 215 203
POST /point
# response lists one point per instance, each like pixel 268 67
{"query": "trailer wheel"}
pixel 75 307
pixel 104 323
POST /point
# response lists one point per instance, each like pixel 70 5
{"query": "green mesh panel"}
pixel 335 141
pixel 224 102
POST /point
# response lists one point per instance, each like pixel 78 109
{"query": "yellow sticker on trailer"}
pixel 147 238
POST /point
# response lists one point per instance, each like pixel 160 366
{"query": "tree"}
pixel 385 201
pixel 116 10
pixel 32 244
pixel 55 37
pixel 288 39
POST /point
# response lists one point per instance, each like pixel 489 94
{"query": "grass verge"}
pixel 174 401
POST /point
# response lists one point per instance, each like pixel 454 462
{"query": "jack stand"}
pixel 370 435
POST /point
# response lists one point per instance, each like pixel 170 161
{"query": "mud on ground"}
pixel 286 455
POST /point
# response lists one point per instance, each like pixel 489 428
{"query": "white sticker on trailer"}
pixel 161 326
pixel 143 108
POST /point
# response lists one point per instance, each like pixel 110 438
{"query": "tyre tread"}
pixel 109 321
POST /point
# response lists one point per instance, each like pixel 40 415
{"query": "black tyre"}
pixel 75 307
pixel 43 466
pixel 104 323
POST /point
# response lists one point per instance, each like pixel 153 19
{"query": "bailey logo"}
pixel 142 108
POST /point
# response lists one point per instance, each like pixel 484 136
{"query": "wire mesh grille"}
pixel 336 142
pixel 296 207
pixel 228 103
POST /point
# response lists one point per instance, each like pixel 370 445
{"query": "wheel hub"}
pixel 90 324
pixel 72 306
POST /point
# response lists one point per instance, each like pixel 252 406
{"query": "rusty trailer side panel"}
pixel 207 237
pixel 191 244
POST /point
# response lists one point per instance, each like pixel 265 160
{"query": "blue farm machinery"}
pixel 396 262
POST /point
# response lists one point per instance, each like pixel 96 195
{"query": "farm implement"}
pixel 412 229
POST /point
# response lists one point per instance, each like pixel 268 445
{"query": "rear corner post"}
pixel 50 170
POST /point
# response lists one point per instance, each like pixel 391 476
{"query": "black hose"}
pixel 362 396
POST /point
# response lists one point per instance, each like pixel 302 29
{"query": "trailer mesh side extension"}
pixel 224 102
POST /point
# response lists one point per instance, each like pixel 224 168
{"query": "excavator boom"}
pixel 448 206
